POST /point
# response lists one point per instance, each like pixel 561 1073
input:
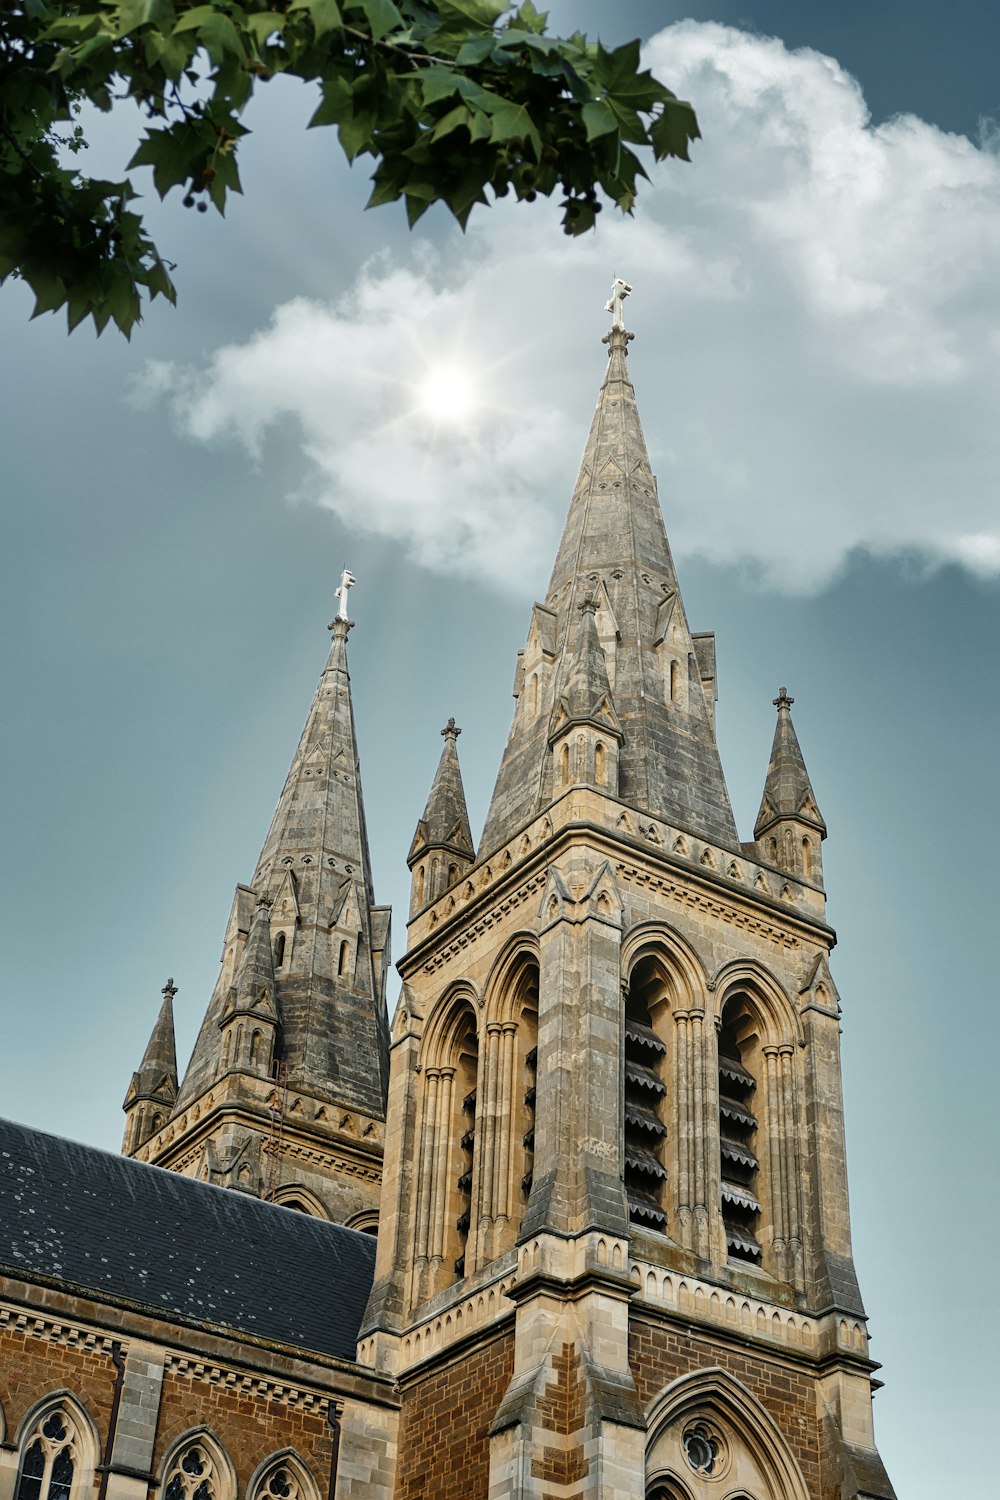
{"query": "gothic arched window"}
pixel 282 1477
pixel 447 1146
pixel 197 1470
pixel 279 950
pixel 51 1457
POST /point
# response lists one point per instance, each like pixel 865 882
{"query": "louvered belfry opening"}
pixel 466 1066
pixel 645 1095
pixel 738 1131
pixel 528 1139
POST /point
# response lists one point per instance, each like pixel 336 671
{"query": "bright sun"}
pixel 447 394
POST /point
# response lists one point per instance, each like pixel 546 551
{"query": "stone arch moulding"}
pixel 445 1020
pixel 88 1446
pixel 658 940
pixel 500 993
pixel 365 1222
pixel 286 1458
pixel 76 1408
pixel 779 1017
pixel 294 1195
pixel 199 1437
pixel 714 1393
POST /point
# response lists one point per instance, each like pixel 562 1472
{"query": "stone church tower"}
pixel 284 1096
pixel 614 1257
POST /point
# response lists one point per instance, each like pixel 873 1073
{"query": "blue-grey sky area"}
pixel 817 358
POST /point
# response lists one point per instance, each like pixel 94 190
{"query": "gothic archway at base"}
pixel 708 1436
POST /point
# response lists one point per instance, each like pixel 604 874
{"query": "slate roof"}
pixel 112 1227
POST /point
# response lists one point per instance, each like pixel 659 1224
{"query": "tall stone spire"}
pixel 614 549
pixel 153 1089
pixel 305 942
pixel 442 846
pixel 789 826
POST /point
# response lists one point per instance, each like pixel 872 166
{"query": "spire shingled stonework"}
pixel 302 986
pixel 614 550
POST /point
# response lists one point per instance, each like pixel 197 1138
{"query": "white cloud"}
pixel 817 366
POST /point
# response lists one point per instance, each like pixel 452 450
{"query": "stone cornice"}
pixel 698 876
pixel 57 1313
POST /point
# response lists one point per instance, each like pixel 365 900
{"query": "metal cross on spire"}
pixel 347 582
pixel 614 305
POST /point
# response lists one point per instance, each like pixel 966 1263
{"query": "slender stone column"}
pixel 777 1143
pixel 425 1185
pixel 683 1117
pixel 489 1127
pixel 507 1122
pixel 701 1132
pixel 793 1174
pixel 442 1132
pixel 432 1078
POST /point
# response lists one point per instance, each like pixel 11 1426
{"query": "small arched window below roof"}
pixel 193 1475
pixel 279 950
pixel 51 1456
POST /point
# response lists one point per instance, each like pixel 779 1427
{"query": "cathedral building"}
pixel 577 1227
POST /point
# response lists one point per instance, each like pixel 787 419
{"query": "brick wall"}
pixel 444 1449
pixel 31 1368
pixel 659 1354
pixel 249 1426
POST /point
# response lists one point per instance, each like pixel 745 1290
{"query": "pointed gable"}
pixel 445 820
pixel 156 1077
pixel 254 987
pixel 788 791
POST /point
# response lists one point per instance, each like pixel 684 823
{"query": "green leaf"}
pixel 479 12
pixel 325 15
pixel 510 120
pixel 460 115
pixel 598 119
pixel 263 23
pixel 336 104
pixel 438 82
pixel 133 13
pixel 383 17
pixel 475 51
pixel 194 19
pixel 671 131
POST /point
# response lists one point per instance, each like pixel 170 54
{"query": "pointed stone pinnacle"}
pixel 451 730
pixel 783 701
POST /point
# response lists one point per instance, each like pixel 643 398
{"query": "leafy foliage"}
pixel 455 100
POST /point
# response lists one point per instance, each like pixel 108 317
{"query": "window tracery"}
pixel 192 1477
pixel 51 1458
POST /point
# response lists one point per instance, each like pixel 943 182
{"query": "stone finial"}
pixel 169 990
pixel 782 700
pixel 451 730
pixel 589 605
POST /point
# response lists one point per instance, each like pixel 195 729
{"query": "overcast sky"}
pixel 817 364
